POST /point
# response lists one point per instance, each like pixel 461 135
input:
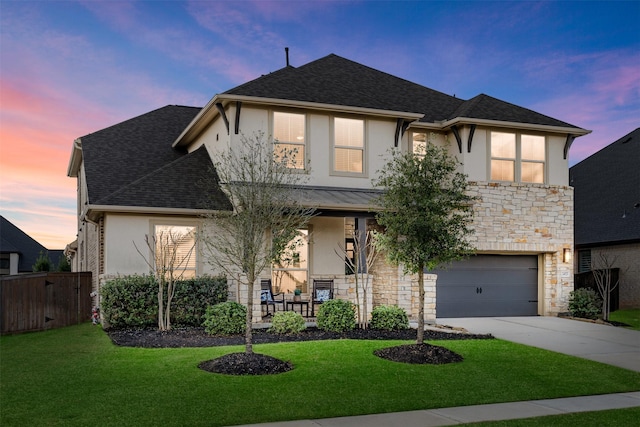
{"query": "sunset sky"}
pixel 71 68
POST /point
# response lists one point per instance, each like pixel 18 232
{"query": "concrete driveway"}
pixel 602 343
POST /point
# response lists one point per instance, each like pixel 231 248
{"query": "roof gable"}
pixel 14 240
pixel 607 193
pixel 335 80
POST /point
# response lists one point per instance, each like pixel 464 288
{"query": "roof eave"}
pixel 93 211
pixel 504 124
pixel 75 160
pixel 198 124
pixel 209 112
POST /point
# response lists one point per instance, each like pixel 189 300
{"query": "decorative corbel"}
pixel 456 133
pixel 567 144
pixel 238 108
pixel 223 114
pixel 470 139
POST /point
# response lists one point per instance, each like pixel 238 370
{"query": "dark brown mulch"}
pixel 419 354
pixel 259 364
pixel 246 364
pixel 197 337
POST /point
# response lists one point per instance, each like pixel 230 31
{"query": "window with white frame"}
pixel 348 141
pixel 418 143
pixel 289 138
pixel 291 271
pixel 175 249
pixel 517 157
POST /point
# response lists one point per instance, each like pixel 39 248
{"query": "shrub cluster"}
pixel 287 322
pixel 227 318
pixel 389 318
pixel 337 316
pixel 193 296
pixel 585 303
pixel 132 301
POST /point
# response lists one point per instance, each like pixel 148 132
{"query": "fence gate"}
pixel 39 301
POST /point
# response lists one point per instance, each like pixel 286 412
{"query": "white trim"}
pixel 147 210
pixel 208 112
pixel 515 125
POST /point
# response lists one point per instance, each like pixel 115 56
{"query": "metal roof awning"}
pixel 339 199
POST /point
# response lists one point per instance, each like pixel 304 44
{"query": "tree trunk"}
pixel 160 305
pixel 248 337
pixel 167 313
pixel 420 335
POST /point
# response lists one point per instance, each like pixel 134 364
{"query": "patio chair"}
pixel 322 291
pixel 267 297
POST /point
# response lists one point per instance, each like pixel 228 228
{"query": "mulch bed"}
pixel 259 364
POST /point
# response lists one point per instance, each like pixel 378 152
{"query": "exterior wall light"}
pixel 566 255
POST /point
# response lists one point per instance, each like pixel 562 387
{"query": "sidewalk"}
pixel 602 343
pixel 476 413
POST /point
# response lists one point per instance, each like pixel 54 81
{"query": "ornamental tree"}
pixel 425 212
pixel 267 212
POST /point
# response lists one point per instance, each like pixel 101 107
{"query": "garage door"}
pixel 488 285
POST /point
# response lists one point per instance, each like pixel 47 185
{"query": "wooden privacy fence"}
pixel 39 301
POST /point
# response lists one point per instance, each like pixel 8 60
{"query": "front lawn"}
pixel 609 418
pixel 630 317
pixel 76 376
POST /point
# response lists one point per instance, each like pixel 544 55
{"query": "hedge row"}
pixel 132 301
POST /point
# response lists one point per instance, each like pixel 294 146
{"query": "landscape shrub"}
pixel 389 318
pixel 227 318
pixel 132 301
pixel 193 296
pixel 287 322
pixel 585 303
pixel 337 316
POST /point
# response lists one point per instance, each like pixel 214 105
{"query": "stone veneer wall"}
pixel 513 218
pixel 510 218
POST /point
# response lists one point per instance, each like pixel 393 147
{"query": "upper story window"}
pixel 517 157
pixel 348 145
pixel 418 143
pixel 289 138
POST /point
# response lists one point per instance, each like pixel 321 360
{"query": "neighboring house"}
pixel 607 213
pixel 19 252
pixel 138 177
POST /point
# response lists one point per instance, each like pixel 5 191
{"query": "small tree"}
pixel 360 264
pixel 426 214
pixel 43 263
pixel 63 264
pixel 604 280
pixel 168 262
pixel 266 212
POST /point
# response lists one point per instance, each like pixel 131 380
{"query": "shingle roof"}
pixel 133 164
pixel 14 240
pixel 335 80
pixel 489 108
pixel 184 183
pixel 607 193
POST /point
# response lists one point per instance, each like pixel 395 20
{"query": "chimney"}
pixel 286 51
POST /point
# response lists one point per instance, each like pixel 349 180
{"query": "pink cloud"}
pixel 608 103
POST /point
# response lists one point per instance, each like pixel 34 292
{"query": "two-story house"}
pixel 148 173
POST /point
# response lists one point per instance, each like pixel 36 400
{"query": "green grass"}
pixel 76 376
pixel 630 317
pixel 610 418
